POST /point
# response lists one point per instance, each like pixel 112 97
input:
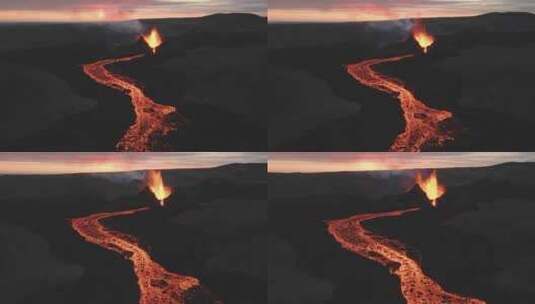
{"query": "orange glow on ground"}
pixel 153 120
pixel 423 124
pixel 156 284
pixel 416 286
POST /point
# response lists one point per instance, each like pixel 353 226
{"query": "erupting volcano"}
pixel 156 285
pixel 157 186
pixel 153 39
pixel 422 37
pixel 431 187
pixel 416 286
pixel 153 120
pixel 423 125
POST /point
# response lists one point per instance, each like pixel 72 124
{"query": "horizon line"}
pixel 99 21
pixel 398 170
pixel 392 19
pixel 163 168
pixel 50 163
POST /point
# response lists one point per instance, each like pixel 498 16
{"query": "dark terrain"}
pixel 479 242
pixel 209 68
pixel 479 68
pixel 213 228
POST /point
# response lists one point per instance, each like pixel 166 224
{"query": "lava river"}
pixel 152 119
pixel 422 123
pixel 416 286
pixel 156 285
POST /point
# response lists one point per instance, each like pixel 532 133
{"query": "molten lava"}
pixel 416 286
pixel 431 187
pixel 422 123
pixel 157 187
pixel 156 285
pixel 153 120
pixel 153 39
pixel 420 34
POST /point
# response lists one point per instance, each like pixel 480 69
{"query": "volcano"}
pixel 102 87
pixel 462 245
pixel 104 238
pixel 370 86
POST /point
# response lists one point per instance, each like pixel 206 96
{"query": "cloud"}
pixel 331 162
pixel 354 10
pixel 107 10
pixel 70 4
pixel 58 163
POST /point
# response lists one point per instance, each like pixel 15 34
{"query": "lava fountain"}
pixel 153 39
pixel 431 187
pixel 157 186
pixel 152 120
pixel 423 124
pixel 422 36
pixel 416 286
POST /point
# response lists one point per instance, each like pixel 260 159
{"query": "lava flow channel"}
pixel 156 285
pixel 152 119
pixel 416 286
pixel 422 123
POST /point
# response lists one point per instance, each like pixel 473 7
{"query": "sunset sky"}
pixel 60 163
pixel 335 162
pixel 362 10
pixel 113 10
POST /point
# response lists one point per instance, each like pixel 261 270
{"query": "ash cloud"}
pixel 130 27
pixel 402 26
pixel 391 31
pixel 123 177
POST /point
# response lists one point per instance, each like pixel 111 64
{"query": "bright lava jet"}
pixel 153 39
pixel 157 186
pixel 431 187
pixel 422 36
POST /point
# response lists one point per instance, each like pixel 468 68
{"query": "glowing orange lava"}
pixel 153 120
pixel 420 34
pixel 156 285
pixel 157 187
pixel 431 187
pixel 416 286
pixel 422 123
pixel 153 39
